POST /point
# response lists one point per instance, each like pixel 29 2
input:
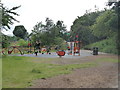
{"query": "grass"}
pixel 107 46
pixel 108 60
pixel 19 72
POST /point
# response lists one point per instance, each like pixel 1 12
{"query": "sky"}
pixel 33 11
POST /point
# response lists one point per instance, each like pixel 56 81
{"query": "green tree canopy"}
pixel 81 27
pixel 47 32
pixel 20 31
pixel 105 25
pixel 8 16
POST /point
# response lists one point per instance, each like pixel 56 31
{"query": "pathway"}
pixel 83 53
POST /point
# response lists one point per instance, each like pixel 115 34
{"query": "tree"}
pixel 81 27
pixel 49 24
pixel 116 5
pixel 7 16
pixel 4 41
pixel 20 31
pixel 61 29
pixel 107 23
pixel 47 32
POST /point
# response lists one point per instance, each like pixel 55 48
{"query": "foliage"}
pixel 107 45
pixel 58 41
pixel 107 23
pixel 46 33
pixel 100 27
pixel 115 5
pixel 22 42
pixel 5 41
pixel 23 70
pixel 81 27
pixel 7 16
pixel 20 31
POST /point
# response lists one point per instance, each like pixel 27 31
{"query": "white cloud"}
pixel 33 11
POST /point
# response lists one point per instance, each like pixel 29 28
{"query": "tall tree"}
pixel 20 31
pixel 116 7
pixel 49 24
pixel 61 28
pixel 8 16
pixel 81 27
pixel 48 32
pixel 5 41
pixel 107 23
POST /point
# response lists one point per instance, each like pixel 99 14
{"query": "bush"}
pixel 22 42
pixel 60 42
pixel 107 46
pixel 110 49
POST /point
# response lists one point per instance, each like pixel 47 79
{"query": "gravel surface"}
pixel 105 75
pixel 83 53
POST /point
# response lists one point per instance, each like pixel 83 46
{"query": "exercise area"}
pixel 72 50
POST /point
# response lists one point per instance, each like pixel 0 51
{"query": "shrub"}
pixel 22 42
pixel 60 42
pixel 107 46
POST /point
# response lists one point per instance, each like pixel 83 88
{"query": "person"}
pixel 37 47
pixel 48 49
pixel 68 50
pixel 36 53
pixel 56 48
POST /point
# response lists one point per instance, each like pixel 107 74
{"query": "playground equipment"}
pixel 13 49
pixel 46 50
pixel 74 48
pixel 43 50
pixel 37 47
pixel 60 53
pixel 29 48
pixel 2 52
pixel 77 47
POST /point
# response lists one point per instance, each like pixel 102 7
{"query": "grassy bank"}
pixel 107 46
pixel 18 72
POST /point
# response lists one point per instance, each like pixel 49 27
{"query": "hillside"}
pixel 107 46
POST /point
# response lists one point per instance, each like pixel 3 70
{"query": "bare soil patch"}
pixel 105 75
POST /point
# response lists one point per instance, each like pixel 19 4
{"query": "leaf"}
pixel 14 8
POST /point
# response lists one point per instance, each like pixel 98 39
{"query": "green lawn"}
pixel 18 72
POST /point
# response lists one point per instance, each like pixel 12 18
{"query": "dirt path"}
pixel 105 75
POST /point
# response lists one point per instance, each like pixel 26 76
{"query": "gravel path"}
pixel 83 53
pixel 105 75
